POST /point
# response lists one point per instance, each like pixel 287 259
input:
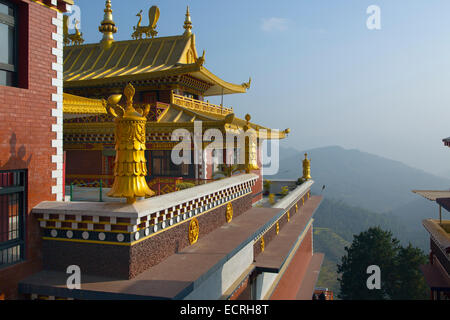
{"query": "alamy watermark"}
pixel 374 281
pixel 74 15
pixel 230 148
pixel 74 280
pixel 374 20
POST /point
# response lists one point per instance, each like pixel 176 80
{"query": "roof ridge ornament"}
pixel 108 26
pixel 201 60
pixel 150 30
pixel 247 85
pixel 71 38
pixel 187 23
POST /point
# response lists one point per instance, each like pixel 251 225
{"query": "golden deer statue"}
pixel 148 31
pixel 74 38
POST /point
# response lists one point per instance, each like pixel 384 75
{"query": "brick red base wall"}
pixel 292 278
pixel 26 127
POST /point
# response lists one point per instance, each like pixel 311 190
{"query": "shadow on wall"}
pixel 17 156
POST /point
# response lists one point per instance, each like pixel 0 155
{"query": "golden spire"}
pixel 187 23
pixel 306 168
pixel 108 26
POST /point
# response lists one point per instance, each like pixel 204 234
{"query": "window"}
pixel 163 166
pixel 12 216
pixel 8 44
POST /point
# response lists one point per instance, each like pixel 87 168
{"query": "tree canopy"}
pixel 399 268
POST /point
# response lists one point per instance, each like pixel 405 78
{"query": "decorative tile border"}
pixel 57 113
pixel 129 231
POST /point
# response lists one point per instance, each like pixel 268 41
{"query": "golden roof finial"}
pixel 74 38
pixel 247 120
pixel 188 23
pixel 108 26
pixel 129 94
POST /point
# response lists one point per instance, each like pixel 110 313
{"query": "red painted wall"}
pixel 26 128
pixel 84 162
pixel 292 278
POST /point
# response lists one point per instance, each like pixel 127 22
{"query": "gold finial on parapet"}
pixel 251 161
pixel 130 167
pixel 187 23
pixel 108 26
pixel 306 168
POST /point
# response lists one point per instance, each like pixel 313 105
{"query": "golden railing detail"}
pixel 201 106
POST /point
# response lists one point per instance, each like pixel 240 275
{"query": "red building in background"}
pixel 31 156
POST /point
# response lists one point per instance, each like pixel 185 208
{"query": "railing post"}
pixel 101 190
pixel 71 191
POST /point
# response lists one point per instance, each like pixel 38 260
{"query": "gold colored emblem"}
pixel 194 231
pixel 263 244
pixel 229 214
pixel 278 227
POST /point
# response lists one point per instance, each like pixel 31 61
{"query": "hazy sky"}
pixel 318 70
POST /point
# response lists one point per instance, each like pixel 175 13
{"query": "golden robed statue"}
pixel 306 168
pixel 130 167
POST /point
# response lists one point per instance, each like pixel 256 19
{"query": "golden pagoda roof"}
pixel 80 105
pixel 139 60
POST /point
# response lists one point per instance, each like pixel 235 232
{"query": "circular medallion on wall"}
pixel 229 214
pixel 194 231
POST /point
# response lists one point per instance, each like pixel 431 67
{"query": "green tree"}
pixel 372 247
pixel 410 283
pixel 400 275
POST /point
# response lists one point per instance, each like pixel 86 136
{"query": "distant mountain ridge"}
pixel 362 191
pixel 360 179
